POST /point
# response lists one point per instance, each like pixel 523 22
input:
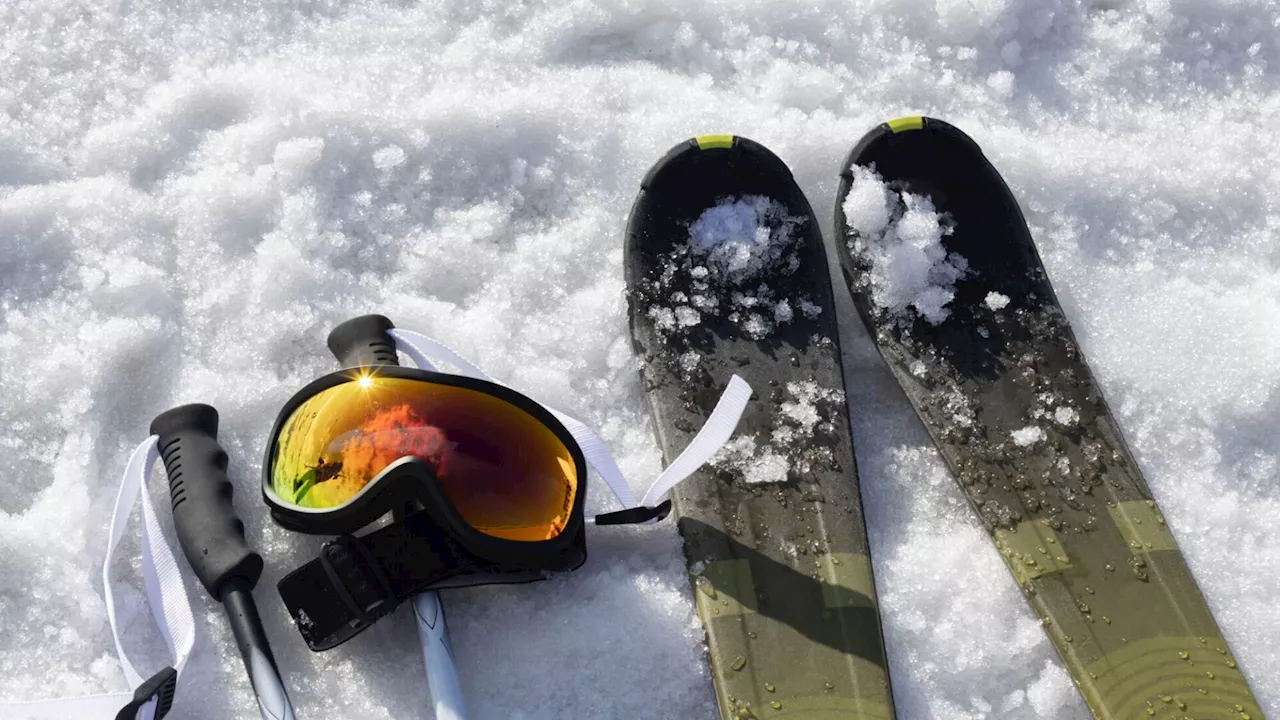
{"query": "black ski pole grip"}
pixel 364 341
pixel 211 535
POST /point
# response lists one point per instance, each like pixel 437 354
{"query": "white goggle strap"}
pixel 167 596
pixel 711 437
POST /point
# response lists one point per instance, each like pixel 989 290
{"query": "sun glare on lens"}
pixel 365 381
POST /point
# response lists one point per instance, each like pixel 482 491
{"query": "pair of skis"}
pixel 727 274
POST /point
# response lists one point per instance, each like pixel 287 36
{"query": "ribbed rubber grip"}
pixel 211 535
pixel 364 341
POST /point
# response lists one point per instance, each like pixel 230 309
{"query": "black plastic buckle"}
pixel 635 515
pixel 346 553
pixel 161 686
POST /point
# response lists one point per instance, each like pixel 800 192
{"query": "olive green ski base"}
pixel 779 566
pixel 1014 410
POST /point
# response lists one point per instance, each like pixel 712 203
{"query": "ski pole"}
pixel 212 538
pixel 437 652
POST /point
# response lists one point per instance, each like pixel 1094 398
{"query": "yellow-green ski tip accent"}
pixel 714 142
pixel 902 124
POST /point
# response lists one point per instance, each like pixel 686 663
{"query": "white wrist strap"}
pixel 165 593
pixel 714 434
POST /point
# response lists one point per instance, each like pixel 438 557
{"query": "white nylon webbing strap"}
pixel 90 707
pixel 165 593
pixel 715 432
pixel 598 457
pixel 713 435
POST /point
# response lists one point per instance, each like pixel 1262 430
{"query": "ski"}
pixel 947 279
pixel 727 275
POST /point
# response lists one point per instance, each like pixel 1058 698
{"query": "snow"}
pixel 806 408
pixel 782 312
pixel 899 236
pixel 756 464
pixel 193 194
pixel 729 251
pixel 1026 436
pixel 739 238
pixel 790 445
pixel 689 361
pixel 996 301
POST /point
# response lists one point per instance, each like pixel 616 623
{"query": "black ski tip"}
pixel 929 157
pixel 695 176
pixel 698 174
pixel 932 157
pixel 701 171
pixel 732 149
pixel 914 130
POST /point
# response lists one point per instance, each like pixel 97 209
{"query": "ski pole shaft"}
pixel 437 651
pixel 212 539
pixel 273 702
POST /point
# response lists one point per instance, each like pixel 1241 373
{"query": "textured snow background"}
pixel 192 194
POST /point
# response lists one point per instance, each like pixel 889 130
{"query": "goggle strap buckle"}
pixel 354 572
pixel 356 581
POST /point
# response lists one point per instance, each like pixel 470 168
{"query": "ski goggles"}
pixel 506 465
pixel 485 485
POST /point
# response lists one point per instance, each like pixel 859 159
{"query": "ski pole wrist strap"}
pixel 149 699
pixel 357 580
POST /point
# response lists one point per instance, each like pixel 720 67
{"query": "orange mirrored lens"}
pixel 506 472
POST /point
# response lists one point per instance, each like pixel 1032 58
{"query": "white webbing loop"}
pixel 713 435
pixel 165 593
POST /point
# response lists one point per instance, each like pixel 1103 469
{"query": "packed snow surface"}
pixel 193 194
